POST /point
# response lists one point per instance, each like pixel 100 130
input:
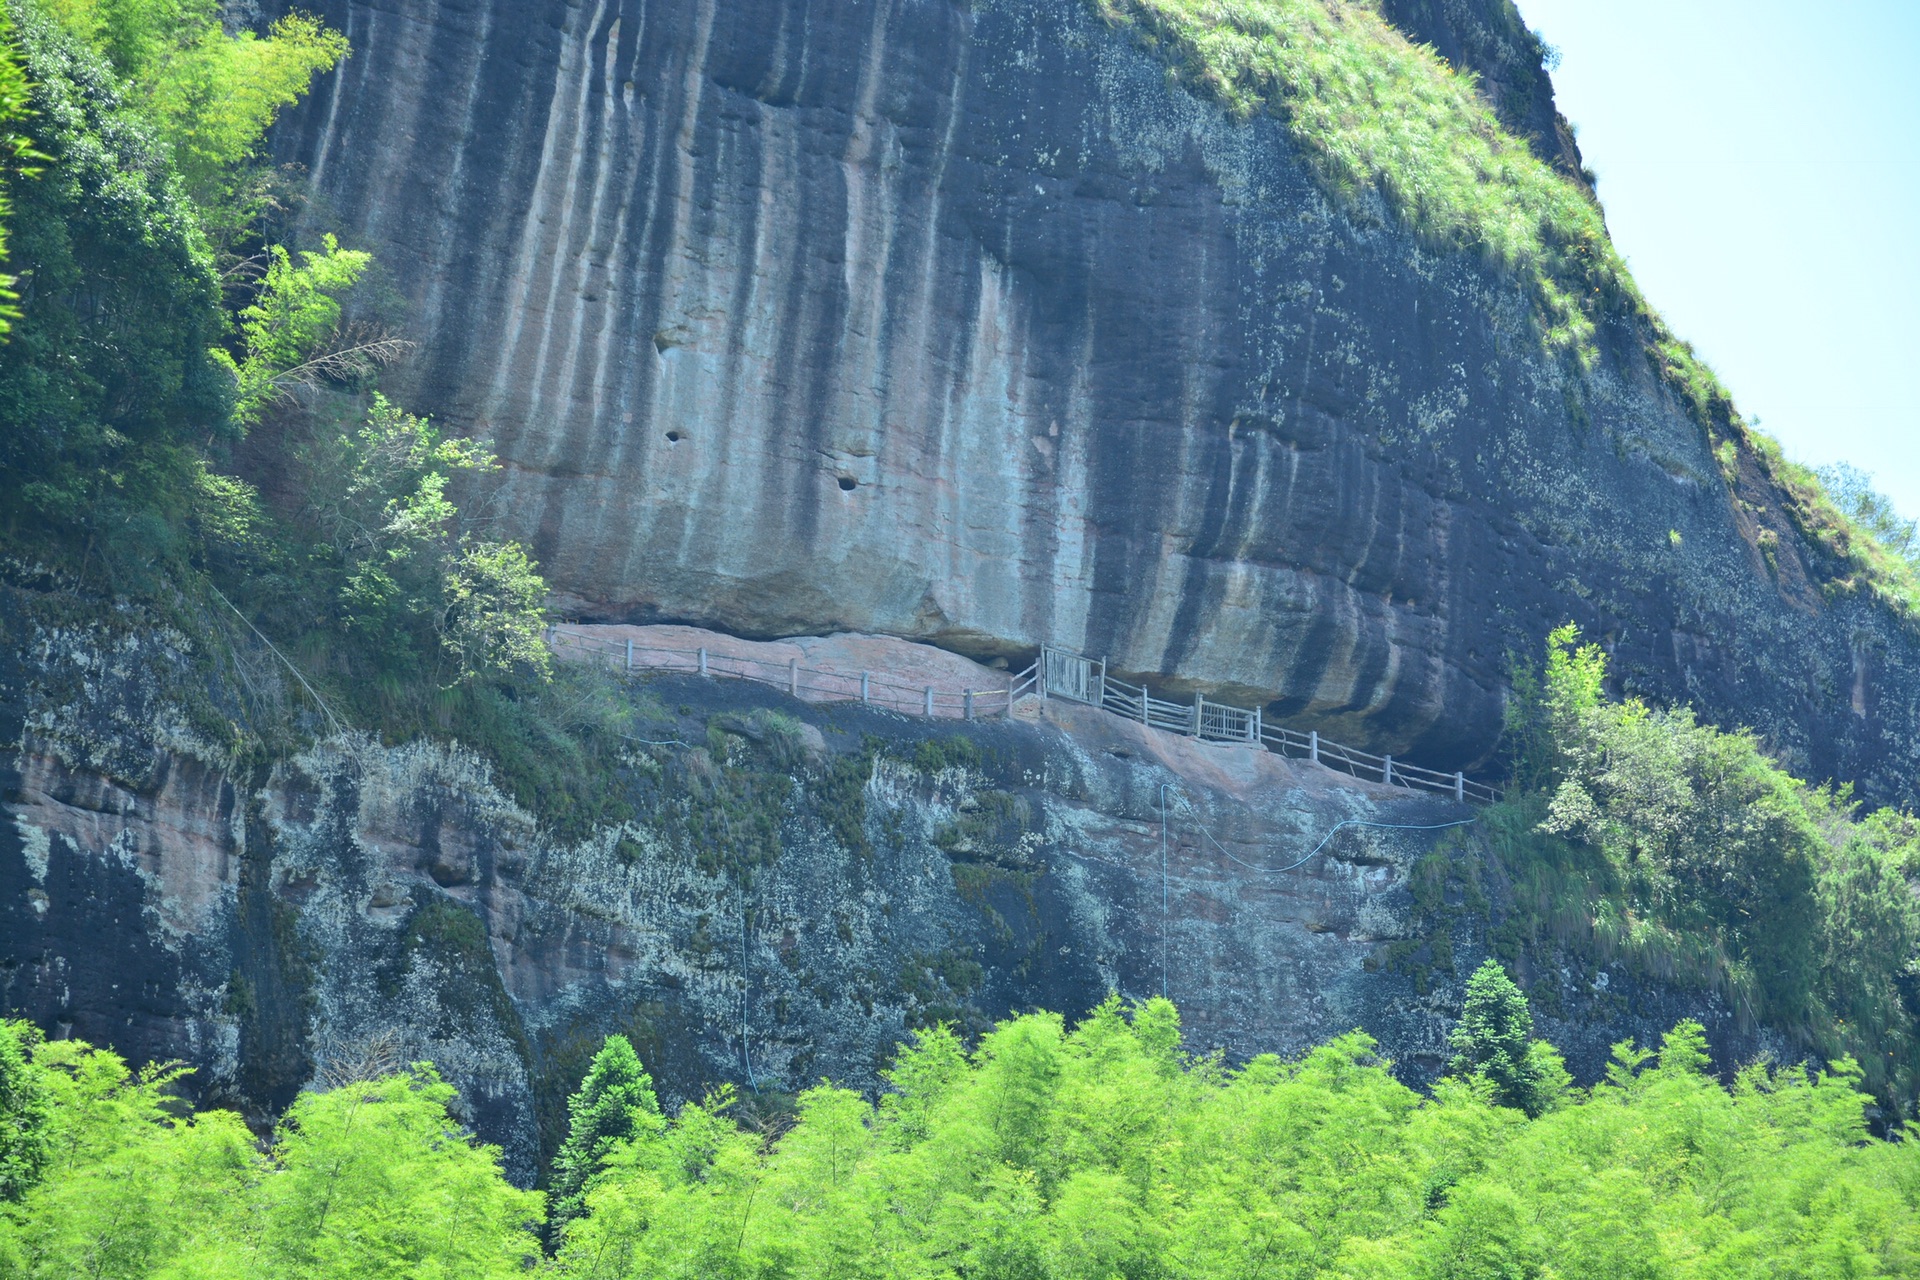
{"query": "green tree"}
pixel 114 390
pixel 923 1073
pixel 290 333
pixel 1550 704
pixel 613 1105
pixel 211 93
pixel 1022 1064
pixel 26 1114
pixel 493 614
pixel 377 1179
pixel 1853 493
pixel 1148 1165
pixel 1137 1163
pixel 108 384
pixel 1494 1044
pixel 416 581
pixel 16 155
pixel 132 1189
pixel 372 1179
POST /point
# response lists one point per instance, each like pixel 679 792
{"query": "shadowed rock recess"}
pixel 960 322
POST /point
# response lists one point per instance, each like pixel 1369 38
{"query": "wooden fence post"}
pixel 629 653
pixel 1460 787
pixel 1198 702
pixel 1313 745
pixel 929 702
pixel 793 677
pixel 1386 770
pixel 968 713
pixel 703 661
pixel 1145 698
pixel 864 699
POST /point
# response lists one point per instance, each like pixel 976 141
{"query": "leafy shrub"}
pixel 291 338
pixel 16 154
pixel 410 573
pixel 211 93
pixel 936 755
pixel 1687 849
pixel 107 380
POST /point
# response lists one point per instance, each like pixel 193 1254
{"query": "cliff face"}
pixel 957 322
pixel 1490 39
pixel 799 887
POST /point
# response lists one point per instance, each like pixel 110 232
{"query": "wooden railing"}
pixel 1056 673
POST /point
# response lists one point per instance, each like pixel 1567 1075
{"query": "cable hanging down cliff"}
pixel 1169 791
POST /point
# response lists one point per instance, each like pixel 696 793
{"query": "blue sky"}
pixel 1760 166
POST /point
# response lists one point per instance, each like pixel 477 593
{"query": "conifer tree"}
pixel 614 1104
pixel 1494 1043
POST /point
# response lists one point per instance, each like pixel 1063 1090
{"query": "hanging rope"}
pixel 1167 790
pixel 311 691
pixel 746 979
pixel 654 742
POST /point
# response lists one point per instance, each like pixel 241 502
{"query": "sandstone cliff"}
pixel 961 322
pixel 800 885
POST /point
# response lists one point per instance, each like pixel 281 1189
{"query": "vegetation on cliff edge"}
pixel 168 352
pixel 1377 116
pixel 1637 834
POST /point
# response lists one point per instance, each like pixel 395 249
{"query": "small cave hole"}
pixel 848 484
pixel 673 437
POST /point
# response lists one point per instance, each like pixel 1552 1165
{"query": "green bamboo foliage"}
pixel 1045 1153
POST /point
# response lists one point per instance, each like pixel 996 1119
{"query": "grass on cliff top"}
pixel 1375 114
pixel 1849 529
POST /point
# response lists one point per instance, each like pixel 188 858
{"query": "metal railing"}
pixel 1056 673
pixel 864 687
pixel 1081 679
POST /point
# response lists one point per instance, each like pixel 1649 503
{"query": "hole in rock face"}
pixel 673 437
pixel 848 484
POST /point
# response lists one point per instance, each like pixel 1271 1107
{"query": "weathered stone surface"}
pixel 367 905
pixel 955 321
